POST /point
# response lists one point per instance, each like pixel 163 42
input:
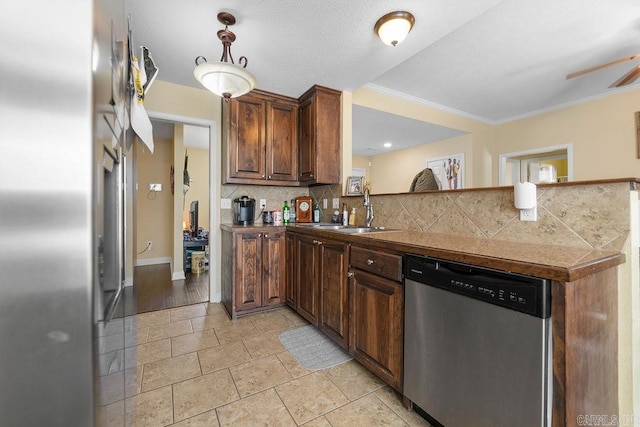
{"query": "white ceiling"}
pixel 490 60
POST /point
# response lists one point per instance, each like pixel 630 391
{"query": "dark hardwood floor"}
pixel 154 290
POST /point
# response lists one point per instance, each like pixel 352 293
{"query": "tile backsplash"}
pixel 275 197
pixel 585 215
pixel 590 215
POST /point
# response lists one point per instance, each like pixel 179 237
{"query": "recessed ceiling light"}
pixel 387 144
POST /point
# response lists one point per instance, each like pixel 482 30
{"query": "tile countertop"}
pixel 561 263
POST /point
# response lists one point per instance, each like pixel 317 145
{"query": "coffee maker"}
pixel 244 210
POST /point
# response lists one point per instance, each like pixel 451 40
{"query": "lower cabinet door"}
pixel 334 291
pixel 377 326
pixel 290 285
pixel 273 268
pixel 306 279
pixel 248 271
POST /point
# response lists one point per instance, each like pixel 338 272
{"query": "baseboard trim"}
pixel 178 275
pixel 215 296
pixel 152 261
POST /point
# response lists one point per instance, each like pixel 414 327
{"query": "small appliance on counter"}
pixel 267 217
pixel 244 210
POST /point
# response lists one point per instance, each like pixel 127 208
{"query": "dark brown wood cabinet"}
pixel 291 296
pixel 260 134
pixel 377 313
pixel 319 146
pixel 333 260
pixel 321 285
pixel 306 283
pixel 253 270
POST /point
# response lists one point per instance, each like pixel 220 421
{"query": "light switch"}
pixel 155 187
pixel 324 204
pixel 225 203
pixel 336 203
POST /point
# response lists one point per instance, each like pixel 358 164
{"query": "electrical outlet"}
pixel 155 187
pixel 529 214
pixel 336 203
pixel 225 203
pixel 149 245
pixel 263 203
pixel 324 204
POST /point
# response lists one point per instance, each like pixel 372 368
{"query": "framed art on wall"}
pixel 354 185
pixel 449 170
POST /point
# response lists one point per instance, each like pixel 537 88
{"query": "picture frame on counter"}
pixel 355 185
pixel 449 170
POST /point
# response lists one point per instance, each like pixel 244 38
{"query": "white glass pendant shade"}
pixel 224 79
pixel 394 27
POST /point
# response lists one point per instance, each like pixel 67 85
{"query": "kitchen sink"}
pixel 322 226
pixel 360 230
pixel 342 228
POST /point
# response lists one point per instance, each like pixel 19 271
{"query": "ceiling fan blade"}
pixel 628 78
pixel 601 66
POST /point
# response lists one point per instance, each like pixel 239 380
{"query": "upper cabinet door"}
pixel 307 144
pixel 319 149
pixel 245 137
pixel 282 141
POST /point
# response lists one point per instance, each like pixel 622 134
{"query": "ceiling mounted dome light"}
pixel 393 27
pixel 224 78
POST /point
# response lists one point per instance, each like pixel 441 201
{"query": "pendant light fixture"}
pixel 393 27
pixel 225 78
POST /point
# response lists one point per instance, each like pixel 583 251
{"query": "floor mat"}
pixel 313 349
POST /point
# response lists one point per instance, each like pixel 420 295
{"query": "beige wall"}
pixel 154 210
pixel 602 132
pixel 478 164
pixel 393 172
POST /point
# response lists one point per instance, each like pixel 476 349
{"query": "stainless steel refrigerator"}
pixel 61 210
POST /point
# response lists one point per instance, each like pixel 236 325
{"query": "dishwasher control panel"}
pixel 527 294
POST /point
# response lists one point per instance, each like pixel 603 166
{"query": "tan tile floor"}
pixel 192 366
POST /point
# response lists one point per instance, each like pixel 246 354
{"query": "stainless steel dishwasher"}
pixel 477 345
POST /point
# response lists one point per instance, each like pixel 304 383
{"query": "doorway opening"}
pixel 182 165
pixel 516 166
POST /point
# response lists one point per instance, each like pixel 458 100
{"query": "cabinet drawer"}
pixel 379 263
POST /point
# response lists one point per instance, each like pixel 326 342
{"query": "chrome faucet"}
pixel 368 215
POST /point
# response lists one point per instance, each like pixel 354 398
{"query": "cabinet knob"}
pixel 269 177
pixel 266 236
pixel 264 176
pixel 370 261
pixel 259 234
pixel 350 274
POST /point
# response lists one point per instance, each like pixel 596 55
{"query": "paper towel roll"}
pixel 524 195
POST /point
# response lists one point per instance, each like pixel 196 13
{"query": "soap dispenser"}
pixel 352 217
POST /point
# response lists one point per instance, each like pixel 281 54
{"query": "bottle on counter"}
pixel 316 213
pixel 292 211
pixel 286 212
pixel 352 217
pixel 277 217
pixel 345 215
